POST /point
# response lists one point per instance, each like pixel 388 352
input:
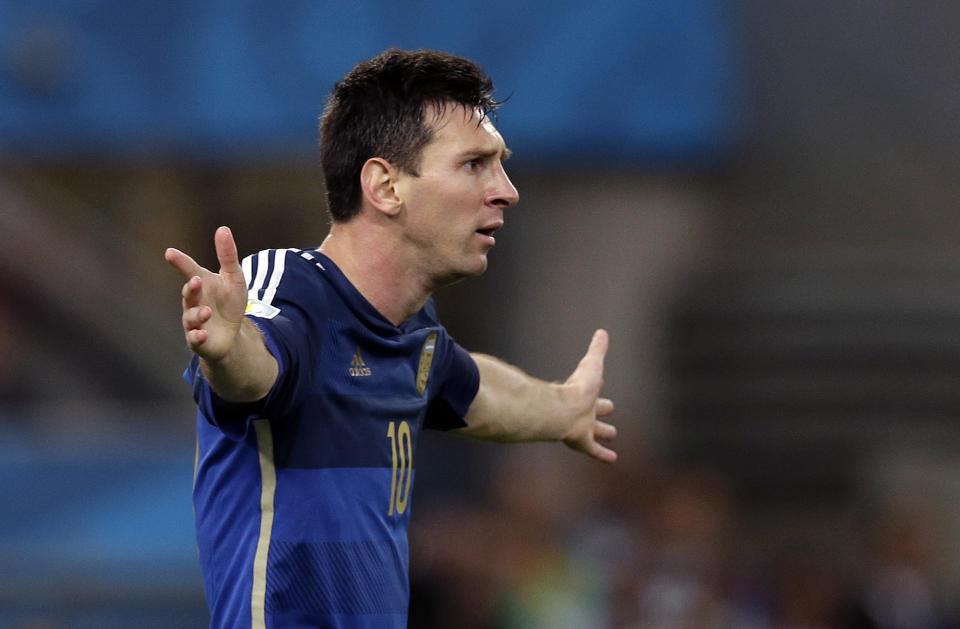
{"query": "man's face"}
pixel 456 203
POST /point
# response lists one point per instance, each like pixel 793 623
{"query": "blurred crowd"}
pixel 563 545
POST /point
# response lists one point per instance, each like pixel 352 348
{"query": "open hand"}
pixel 213 303
pixel 583 388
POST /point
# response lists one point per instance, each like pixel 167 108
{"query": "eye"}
pixel 474 164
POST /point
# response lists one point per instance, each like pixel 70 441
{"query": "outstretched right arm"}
pixel 234 358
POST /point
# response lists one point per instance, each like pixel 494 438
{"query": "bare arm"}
pixel 234 358
pixel 512 406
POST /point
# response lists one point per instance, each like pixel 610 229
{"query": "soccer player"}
pixel 315 369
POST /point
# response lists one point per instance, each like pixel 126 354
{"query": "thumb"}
pixel 590 367
pixel 597 350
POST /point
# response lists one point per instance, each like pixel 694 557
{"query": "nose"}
pixel 502 193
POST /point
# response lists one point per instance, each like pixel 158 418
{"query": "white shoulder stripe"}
pixel 279 261
pixel 263 263
pixel 247 266
pixel 306 255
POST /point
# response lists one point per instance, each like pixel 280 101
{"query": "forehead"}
pixel 459 127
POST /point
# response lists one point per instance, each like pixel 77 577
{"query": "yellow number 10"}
pixel 401 440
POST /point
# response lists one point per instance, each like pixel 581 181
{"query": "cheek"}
pixel 445 206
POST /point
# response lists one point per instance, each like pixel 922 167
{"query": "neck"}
pixel 377 267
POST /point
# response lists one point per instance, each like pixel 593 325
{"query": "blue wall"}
pixel 635 80
pixel 113 512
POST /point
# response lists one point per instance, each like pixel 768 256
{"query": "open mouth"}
pixel 487 232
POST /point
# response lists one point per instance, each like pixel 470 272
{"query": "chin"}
pixel 467 271
pixel 480 267
pixel 472 265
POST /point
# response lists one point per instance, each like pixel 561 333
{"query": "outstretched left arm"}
pixel 512 406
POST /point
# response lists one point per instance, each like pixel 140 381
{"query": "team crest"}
pixel 426 359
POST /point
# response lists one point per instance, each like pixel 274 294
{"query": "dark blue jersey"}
pixel 303 499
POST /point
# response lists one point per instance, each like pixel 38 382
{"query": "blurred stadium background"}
pixel 757 199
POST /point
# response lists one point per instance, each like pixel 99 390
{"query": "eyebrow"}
pixel 487 153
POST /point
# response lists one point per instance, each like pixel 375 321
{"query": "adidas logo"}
pixel 357 366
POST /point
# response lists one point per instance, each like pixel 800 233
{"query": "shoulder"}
pixel 270 265
pixel 281 275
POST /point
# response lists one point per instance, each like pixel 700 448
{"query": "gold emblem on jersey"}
pixel 426 359
pixel 357 366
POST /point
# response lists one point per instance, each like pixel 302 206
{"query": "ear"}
pixel 377 179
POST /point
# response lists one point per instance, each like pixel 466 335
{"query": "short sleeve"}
pixel 460 381
pixel 283 302
pixel 232 418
